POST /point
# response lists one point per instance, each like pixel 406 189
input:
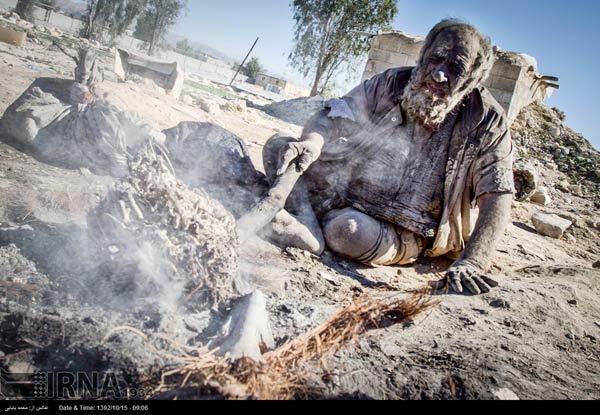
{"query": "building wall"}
pixel 266 80
pixel 502 83
pixel 514 84
pixel 392 50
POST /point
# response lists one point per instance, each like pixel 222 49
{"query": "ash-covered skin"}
pixel 454 61
pixel 456 58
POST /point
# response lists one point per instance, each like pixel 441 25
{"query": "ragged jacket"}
pixel 479 162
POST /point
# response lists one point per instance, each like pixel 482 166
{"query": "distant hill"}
pixel 204 48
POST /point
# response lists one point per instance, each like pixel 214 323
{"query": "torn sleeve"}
pixel 493 169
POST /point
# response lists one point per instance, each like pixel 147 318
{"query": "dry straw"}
pixel 280 375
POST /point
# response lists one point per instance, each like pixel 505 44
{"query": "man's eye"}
pixel 456 69
pixel 436 60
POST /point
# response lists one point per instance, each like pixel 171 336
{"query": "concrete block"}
pixel 551 225
pixel 505 84
pixel 389 43
pixel 380 55
pixel 541 197
pixel 12 36
pixel 506 70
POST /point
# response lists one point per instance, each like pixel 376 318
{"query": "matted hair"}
pixel 432 110
pixel 485 56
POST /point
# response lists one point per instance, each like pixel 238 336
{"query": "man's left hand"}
pixel 466 274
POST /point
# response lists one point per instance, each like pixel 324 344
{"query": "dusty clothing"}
pixel 394 246
pixel 414 187
pixel 62 123
pixel 478 160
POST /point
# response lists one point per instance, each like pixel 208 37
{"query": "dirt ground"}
pixel 537 336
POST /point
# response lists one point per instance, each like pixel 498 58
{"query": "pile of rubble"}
pixel 541 136
pixel 37 33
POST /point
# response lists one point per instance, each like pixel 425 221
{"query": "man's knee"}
pixel 353 234
pixel 359 237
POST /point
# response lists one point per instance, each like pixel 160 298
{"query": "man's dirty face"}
pixel 444 77
pixel 448 63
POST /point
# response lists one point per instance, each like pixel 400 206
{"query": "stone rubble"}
pixel 552 226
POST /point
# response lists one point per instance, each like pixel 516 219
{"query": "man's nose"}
pixel 440 74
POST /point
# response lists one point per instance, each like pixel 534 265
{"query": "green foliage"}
pixel 325 37
pixel 185 47
pixel 253 68
pixel 108 19
pixel 156 19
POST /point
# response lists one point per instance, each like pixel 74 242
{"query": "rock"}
pixel 187 100
pixel 110 76
pixel 55 32
pixel 552 226
pixel 576 220
pixel 237 105
pixel 329 278
pixel 593 224
pixel 506 395
pixel 563 185
pixel 576 189
pixel 562 152
pixel 208 106
pixel 249 328
pixel 572 302
pixel 541 197
pixel 526 180
pixel 499 303
pixel 596 265
pixel 570 238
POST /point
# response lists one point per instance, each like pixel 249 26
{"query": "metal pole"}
pixel 242 65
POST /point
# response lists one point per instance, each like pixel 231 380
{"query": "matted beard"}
pixel 427 109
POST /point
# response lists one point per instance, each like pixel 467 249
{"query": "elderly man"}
pixel 394 170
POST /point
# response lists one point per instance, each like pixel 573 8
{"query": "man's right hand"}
pixel 303 153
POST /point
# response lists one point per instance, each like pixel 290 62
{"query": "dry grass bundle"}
pixel 280 375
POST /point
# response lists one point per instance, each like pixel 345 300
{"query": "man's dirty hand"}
pixel 303 153
pixel 466 275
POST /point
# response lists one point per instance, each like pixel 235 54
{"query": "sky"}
pixel 564 36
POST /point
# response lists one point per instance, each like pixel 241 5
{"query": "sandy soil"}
pixel 535 337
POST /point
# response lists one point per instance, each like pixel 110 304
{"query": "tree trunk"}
pixel 315 88
pixel 320 62
pixel 155 35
